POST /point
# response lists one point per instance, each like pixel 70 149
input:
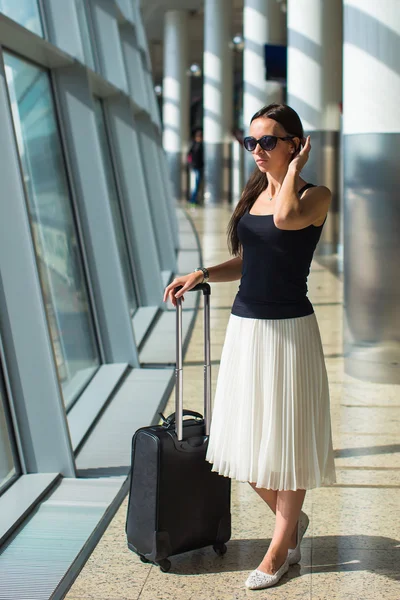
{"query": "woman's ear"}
pixel 293 150
pixel 298 143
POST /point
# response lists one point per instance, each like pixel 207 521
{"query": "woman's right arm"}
pixel 231 270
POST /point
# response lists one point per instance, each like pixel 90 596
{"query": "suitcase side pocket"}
pixel 143 499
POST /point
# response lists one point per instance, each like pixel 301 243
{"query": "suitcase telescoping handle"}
pixel 206 289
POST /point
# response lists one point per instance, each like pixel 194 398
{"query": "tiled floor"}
pixel 351 550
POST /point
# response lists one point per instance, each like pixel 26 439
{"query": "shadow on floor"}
pixel 329 554
pixel 370 451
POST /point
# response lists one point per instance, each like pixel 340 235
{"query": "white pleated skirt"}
pixel 271 411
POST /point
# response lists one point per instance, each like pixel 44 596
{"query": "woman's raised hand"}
pixel 301 158
pixel 187 281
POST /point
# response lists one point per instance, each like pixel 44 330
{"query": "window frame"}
pixel 75 218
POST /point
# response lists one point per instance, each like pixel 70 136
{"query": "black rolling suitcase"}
pixel 176 503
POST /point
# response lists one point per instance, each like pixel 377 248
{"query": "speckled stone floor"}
pixel 351 550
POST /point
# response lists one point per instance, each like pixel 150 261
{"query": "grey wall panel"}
pixel 108 43
pixel 139 222
pixel 371 257
pixel 126 7
pixel 63 27
pixel 133 65
pixel 159 205
pixel 31 367
pixel 96 216
pixel 140 29
pixel 171 202
pixel 152 100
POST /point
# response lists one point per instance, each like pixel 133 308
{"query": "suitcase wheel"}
pixel 220 549
pixel 144 559
pixel 165 565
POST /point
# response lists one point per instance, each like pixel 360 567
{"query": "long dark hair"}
pixel 257 183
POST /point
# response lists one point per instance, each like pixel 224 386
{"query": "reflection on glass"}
pixel 7 466
pixel 115 206
pixel 54 232
pixel 24 12
pixel 85 33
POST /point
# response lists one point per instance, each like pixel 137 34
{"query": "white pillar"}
pixel 314 62
pixel 218 98
pixel 314 86
pixel 371 140
pixel 176 97
pixel 264 22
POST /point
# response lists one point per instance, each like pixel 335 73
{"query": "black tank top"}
pixel 276 264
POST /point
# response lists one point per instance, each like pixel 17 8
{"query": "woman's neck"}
pixel 275 181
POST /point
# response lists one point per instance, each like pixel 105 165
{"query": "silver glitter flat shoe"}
pixel 294 554
pixel 258 580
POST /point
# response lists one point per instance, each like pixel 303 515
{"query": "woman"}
pixel 271 419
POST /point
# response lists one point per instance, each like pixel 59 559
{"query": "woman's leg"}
pixel 270 498
pixel 288 507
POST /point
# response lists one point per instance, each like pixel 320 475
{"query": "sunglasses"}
pixel 267 142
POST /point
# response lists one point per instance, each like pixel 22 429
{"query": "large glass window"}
pixel 8 469
pixel 81 9
pixel 54 231
pixel 115 205
pixel 25 12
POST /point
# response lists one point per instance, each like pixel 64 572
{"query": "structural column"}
pixel 315 92
pixel 217 99
pixel 176 98
pixel 371 139
pixel 263 23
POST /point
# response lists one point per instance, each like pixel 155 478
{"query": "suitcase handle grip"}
pixel 171 419
pixel 204 287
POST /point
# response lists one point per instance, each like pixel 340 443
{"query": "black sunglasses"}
pixel 267 142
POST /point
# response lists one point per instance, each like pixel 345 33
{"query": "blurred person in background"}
pixel 195 160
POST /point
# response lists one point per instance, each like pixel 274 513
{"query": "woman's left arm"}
pixel 290 211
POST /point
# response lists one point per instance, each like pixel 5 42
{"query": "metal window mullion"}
pixel 11 410
pixel 92 35
pixel 42 16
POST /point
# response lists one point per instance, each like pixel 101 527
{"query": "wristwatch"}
pixel 206 275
